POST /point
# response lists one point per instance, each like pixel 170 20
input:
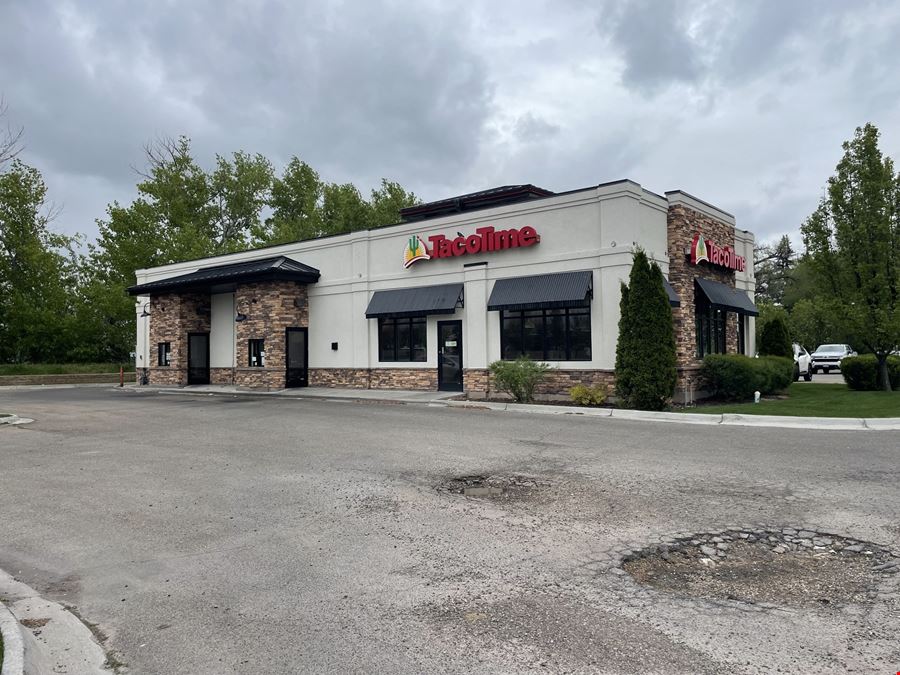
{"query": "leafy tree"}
pixel 36 269
pixel 813 321
pixel 775 340
pixel 344 209
pixel 240 190
pixel 645 353
pixel 296 203
pixel 387 201
pixel 853 239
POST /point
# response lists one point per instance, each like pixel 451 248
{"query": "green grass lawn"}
pixel 61 368
pixel 816 400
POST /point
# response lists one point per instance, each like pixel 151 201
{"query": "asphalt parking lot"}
pixel 247 535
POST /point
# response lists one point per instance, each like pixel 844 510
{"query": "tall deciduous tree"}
pixel 853 239
pixel 36 271
pixel 645 352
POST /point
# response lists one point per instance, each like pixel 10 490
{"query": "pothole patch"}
pixel 494 486
pixel 787 567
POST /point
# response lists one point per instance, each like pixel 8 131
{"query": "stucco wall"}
pixel 593 229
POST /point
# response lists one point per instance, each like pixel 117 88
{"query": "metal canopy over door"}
pixel 450 356
pixel 198 358
pixel 296 353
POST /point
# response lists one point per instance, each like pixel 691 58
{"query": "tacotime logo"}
pixel 485 240
pixel 704 250
pixel 415 251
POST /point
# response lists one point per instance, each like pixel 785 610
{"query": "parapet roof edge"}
pixel 700 205
pixel 224 257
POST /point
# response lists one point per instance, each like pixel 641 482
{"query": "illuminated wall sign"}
pixel 704 250
pixel 485 240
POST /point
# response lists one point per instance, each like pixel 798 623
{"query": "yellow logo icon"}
pixel 415 251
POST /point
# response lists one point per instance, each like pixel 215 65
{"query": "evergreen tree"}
pixel 774 339
pixel 645 353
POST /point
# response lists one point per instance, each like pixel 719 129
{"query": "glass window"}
pixel 257 353
pixel 163 353
pixel 546 334
pixel 711 330
pixel 402 339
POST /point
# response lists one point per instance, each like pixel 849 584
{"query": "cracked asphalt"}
pixel 248 535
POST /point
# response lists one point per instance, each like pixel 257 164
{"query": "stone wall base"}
pixel 403 378
pixel 478 383
pixel 166 375
pixel 260 378
pixel 221 375
pixel 351 378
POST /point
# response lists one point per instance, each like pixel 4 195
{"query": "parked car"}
pixel 828 357
pixel 802 363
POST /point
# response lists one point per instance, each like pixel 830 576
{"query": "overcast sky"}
pixel 743 104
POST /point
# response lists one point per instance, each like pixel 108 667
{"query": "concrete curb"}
pixel 65 645
pixel 13 644
pixel 726 419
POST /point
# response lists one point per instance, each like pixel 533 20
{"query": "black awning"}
pixel 417 301
pixel 278 268
pixel 674 300
pixel 725 297
pixel 564 289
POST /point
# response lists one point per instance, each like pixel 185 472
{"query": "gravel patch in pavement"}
pixel 495 486
pixel 789 567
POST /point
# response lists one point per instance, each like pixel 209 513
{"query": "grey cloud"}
pixel 654 41
pixel 530 128
pixel 382 90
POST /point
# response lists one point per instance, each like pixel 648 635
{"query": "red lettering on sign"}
pixel 485 240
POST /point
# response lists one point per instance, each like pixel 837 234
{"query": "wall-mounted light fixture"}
pixel 146 310
pixel 240 311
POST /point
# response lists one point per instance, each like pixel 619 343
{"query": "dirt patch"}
pixel 34 623
pixel 495 486
pixel 802 569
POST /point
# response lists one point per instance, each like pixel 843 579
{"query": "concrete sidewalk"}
pixel 400 396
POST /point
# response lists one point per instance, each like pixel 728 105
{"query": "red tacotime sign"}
pixel 704 250
pixel 485 240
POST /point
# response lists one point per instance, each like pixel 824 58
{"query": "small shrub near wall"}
pixel 519 378
pixel 584 395
pixel 735 377
pixel 861 372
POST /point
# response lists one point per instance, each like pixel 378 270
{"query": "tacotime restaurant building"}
pixel 430 302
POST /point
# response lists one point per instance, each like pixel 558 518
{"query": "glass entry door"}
pixel 296 353
pixel 198 358
pixel 450 355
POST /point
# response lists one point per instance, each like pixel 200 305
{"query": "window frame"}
pixel 546 347
pixel 163 354
pixel 256 347
pixel 711 327
pixel 414 354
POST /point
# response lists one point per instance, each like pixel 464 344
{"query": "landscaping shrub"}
pixel 645 352
pixel 774 340
pixel 519 378
pixel 735 377
pixel 776 372
pixel 584 395
pixel 861 372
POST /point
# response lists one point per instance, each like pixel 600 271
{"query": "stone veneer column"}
pixel 683 223
pixel 172 317
pixel 271 307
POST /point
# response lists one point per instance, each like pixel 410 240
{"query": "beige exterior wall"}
pixel 594 229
